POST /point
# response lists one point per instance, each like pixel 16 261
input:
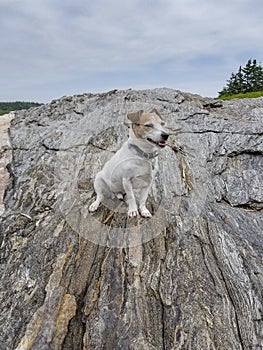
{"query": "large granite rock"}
pixel 189 278
pixel 5 154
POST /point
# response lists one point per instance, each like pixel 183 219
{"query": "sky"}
pixel 55 48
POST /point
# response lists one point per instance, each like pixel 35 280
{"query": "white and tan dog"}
pixel 131 167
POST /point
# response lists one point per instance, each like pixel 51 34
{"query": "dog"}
pixel 131 167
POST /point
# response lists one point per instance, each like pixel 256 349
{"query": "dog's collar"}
pixel 141 153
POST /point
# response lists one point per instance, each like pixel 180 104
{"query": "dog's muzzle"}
pixel 162 142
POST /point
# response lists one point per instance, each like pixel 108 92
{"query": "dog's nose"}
pixel 164 135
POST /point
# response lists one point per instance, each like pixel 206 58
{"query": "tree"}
pixel 247 79
pixel 6 107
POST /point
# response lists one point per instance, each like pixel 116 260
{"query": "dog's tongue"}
pixel 162 143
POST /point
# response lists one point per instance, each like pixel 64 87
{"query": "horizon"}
pixel 102 92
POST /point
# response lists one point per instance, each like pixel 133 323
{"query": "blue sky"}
pixel 52 48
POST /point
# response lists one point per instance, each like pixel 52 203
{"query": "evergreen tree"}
pixel 247 79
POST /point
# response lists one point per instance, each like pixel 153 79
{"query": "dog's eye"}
pixel 149 125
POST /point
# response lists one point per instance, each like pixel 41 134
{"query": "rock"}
pixel 188 278
pixel 5 154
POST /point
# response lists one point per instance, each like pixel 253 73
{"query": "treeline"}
pixel 6 107
pixel 247 80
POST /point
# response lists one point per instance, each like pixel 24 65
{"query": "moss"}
pixel 243 95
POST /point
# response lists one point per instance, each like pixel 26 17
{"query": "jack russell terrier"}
pixel 131 168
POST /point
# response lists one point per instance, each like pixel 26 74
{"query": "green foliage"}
pixel 241 95
pixel 247 79
pixel 6 107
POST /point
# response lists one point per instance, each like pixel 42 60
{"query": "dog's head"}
pixel 149 126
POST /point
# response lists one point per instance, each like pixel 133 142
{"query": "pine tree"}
pixel 247 79
pixel 256 78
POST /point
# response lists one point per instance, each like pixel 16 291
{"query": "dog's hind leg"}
pixel 94 206
pixel 99 185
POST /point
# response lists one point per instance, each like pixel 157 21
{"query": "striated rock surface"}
pixel 5 154
pixel 189 278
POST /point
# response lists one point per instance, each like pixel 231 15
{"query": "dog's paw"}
pixel 133 213
pixel 145 213
pixel 93 207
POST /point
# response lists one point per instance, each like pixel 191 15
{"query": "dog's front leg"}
pixel 132 207
pixel 143 197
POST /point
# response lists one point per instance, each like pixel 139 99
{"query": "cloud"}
pixel 48 44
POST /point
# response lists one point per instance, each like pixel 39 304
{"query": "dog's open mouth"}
pixel 158 143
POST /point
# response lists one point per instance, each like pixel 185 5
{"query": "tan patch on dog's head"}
pixel 134 117
pixel 142 121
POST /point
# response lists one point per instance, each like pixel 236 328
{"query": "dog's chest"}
pixel 139 171
pixel 143 178
pixel 142 174
pixel 129 165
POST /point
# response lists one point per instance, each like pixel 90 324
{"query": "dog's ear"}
pixel 154 110
pixel 135 116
